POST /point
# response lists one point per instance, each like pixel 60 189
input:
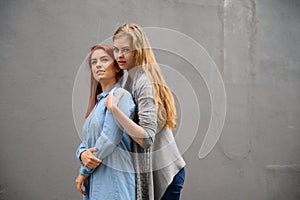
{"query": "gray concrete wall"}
pixel 254 44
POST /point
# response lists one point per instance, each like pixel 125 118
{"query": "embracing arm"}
pixel 135 131
pixel 144 133
pixel 112 132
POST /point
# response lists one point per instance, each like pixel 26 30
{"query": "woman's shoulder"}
pixel 126 102
pixel 126 95
pixel 142 79
pixel 119 90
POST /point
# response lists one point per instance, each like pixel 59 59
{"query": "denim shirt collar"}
pixel 104 94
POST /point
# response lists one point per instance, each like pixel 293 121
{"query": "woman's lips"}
pixel 100 72
pixel 121 62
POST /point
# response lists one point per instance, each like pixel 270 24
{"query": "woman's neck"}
pixel 106 85
pixel 131 72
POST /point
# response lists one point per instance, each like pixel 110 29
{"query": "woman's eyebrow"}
pixel 99 57
pixel 121 47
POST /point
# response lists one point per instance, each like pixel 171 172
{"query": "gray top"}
pixel 158 159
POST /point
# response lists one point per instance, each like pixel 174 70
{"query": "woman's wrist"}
pixel 113 109
pixel 80 155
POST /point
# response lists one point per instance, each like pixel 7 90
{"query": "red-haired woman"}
pixel 106 170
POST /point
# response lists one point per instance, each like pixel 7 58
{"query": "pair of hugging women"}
pixel 128 149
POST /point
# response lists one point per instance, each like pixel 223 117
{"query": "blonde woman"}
pixel 158 164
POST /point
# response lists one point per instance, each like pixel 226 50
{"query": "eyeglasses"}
pixel 124 50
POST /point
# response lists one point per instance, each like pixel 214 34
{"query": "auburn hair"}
pixel 145 59
pixel 95 87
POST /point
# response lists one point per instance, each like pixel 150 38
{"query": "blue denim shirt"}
pixel 114 178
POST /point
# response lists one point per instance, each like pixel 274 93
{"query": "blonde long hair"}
pixel 145 59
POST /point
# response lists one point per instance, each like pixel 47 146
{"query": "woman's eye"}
pixel 116 50
pixel 93 62
pixel 126 50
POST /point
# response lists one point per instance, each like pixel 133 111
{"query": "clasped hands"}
pixel 89 160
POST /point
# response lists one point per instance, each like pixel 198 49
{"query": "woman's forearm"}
pixel 142 133
pixel 135 131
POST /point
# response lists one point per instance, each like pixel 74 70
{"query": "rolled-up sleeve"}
pixel 83 170
pixel 80 149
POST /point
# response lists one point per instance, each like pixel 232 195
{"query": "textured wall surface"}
pixel 254 44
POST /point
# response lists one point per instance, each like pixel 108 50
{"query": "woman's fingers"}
pixel 93 149
pixel 89 159
pixel 108 102
pixel 112 91
pixel 92 157
pixel 92 165
pixel 117 98
pixel 78 185
pixel 112 101
pixel 85 182
pixel 79 182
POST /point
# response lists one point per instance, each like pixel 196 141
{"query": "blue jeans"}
pixel 174 189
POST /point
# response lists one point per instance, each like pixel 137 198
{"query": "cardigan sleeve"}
pixel 147 113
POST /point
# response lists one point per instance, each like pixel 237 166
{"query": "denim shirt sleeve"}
pixel 83 170
pixel 112 132
pixel 80 149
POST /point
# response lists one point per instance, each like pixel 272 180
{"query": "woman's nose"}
pixel 120 54
pixel 98 65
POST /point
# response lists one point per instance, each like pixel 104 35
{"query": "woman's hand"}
pixel 81 181
pixel 88 158
pixel 112 101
